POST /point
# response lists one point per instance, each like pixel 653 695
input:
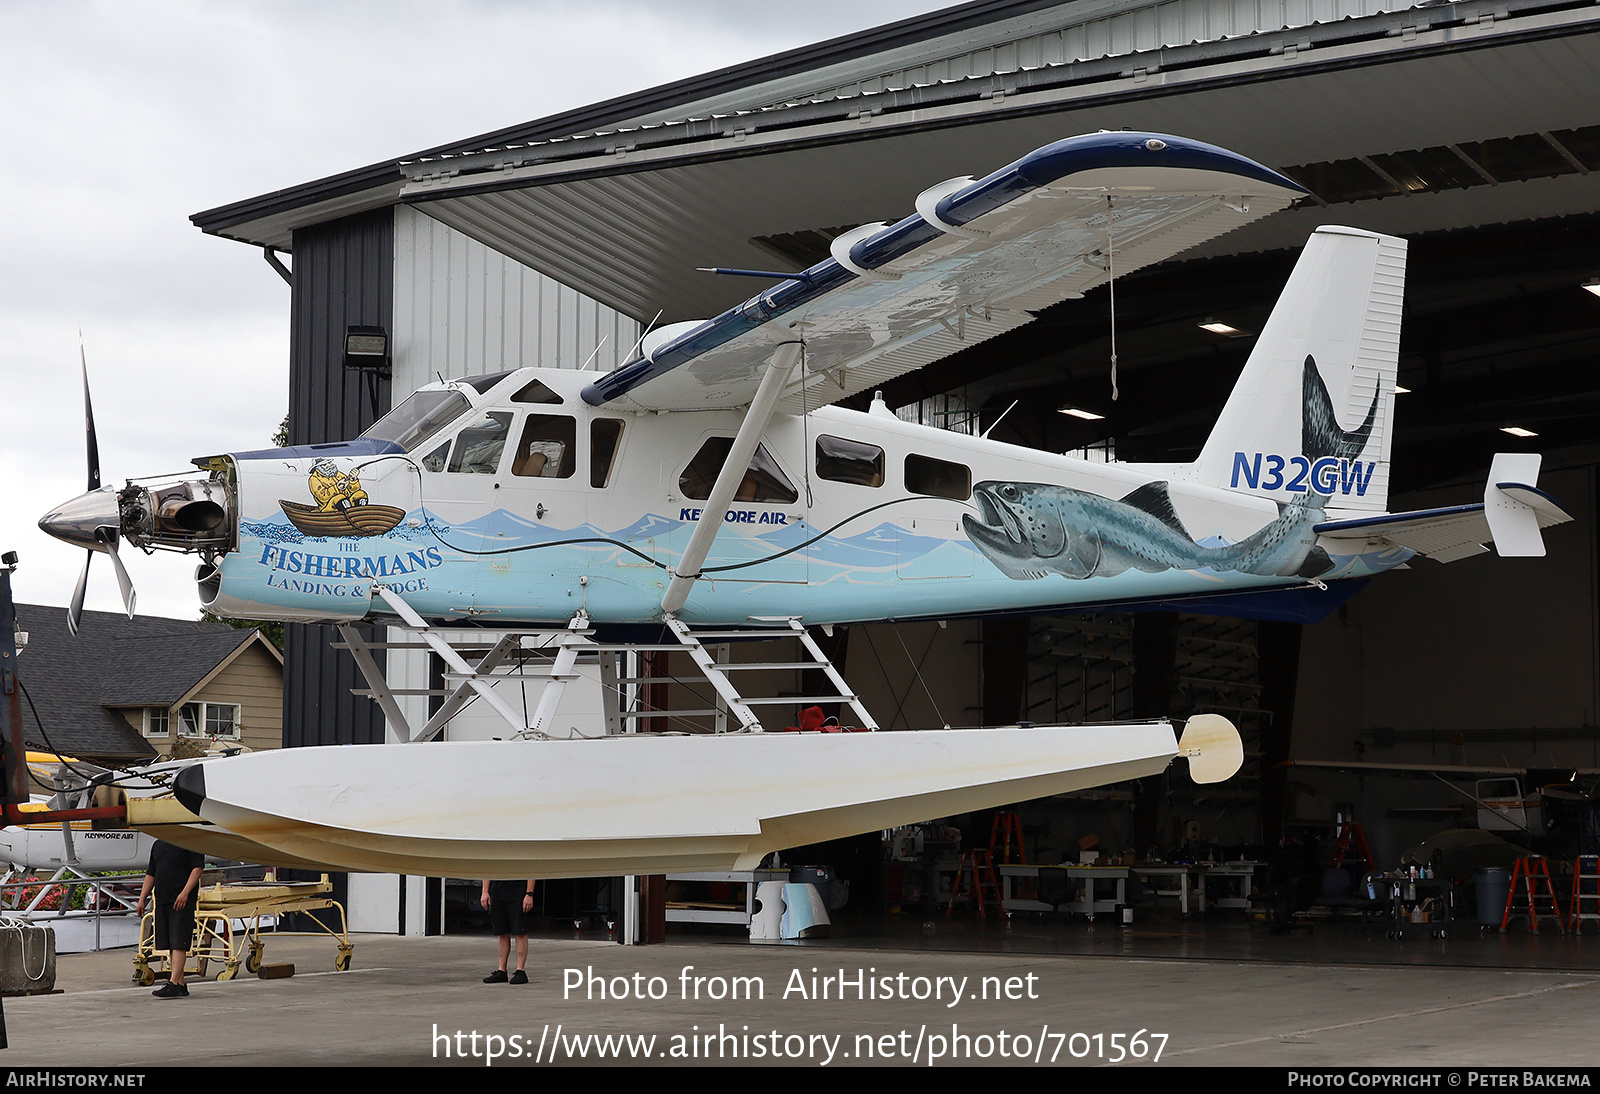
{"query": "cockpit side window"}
pixel 435 460
pixel 417 420
pixel 548 448
pixel 480 445
pixel 763 482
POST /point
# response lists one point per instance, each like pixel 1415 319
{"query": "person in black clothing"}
pixel 174 875
pixel 509 903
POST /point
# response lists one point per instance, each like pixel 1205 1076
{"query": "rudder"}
pixel 1312 411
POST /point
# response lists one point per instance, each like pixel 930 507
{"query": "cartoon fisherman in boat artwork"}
pixel 342 507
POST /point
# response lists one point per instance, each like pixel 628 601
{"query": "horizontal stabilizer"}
pixel 1213 747
pixel 1511 516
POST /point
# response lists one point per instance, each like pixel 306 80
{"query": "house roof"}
pixel 77 684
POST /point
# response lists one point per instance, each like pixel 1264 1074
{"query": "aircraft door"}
pixel 460 492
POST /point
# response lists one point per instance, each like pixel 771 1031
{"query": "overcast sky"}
pixel 120 119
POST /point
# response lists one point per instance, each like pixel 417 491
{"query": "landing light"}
pixel 1218 327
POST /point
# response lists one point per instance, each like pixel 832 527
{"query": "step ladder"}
pixel 1007 826
pixel 983 889
pixel 1352 839
pixel 768 628
pixel 1585 893
pixel 1535 877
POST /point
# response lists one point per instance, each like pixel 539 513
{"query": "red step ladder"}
pixel 1585 889
pixel 1007 826
pixel 1535 877
pixel 977 869
pixel 1352 839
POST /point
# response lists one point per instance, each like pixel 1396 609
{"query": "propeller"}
pixel 91 520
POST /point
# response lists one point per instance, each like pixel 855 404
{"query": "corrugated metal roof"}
pixel 979 39
pixel 625 228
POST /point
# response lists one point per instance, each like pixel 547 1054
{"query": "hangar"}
pixel 1464 127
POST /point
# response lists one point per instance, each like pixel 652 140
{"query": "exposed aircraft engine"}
pixel 188 515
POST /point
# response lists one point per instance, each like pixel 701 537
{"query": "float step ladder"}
pixel 1352 840
pixel 1585 893
pixel 1534 874
pixel 1007 826
pixel 977 870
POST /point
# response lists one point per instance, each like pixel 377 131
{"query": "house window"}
pixel 220 720
pixel 157 721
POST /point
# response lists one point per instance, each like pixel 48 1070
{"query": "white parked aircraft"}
pixel 709 483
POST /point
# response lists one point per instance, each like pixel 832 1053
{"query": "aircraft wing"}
pixel 976 259
pixel 1451 533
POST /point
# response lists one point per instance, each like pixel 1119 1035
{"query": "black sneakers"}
pixel 519 977
pixel 496 977
pixel 170 990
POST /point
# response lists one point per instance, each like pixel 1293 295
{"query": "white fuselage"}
pixel 879 527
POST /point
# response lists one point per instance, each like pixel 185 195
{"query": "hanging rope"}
pixel 1111 280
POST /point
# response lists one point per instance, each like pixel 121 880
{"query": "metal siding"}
pixel 343 275
pixel 462 309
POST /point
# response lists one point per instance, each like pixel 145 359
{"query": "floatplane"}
pixel 709 489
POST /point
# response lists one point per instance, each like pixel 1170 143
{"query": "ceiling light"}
pixel 1517 431
pixel 1593 285
pixel 1398 390
pixel 1217 327
pixel 1076 412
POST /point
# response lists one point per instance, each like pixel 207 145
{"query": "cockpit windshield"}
pixel 411 424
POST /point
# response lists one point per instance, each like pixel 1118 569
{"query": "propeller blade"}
pixel 124 582
pixel 75 612
pixel 88 425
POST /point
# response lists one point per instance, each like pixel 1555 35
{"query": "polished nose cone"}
pixel 77 521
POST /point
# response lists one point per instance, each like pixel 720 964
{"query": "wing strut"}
pixel 731 475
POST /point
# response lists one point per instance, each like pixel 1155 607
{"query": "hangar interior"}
pixel 1464 127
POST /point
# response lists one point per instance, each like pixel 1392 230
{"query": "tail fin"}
pixel 1328 355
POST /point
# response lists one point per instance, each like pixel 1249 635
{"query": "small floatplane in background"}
pixel 707 488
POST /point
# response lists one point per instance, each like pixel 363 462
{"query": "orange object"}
pixel 983 888
pixel 1535 876
pixel 1007 826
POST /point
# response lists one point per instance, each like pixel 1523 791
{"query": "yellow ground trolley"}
pixel 218 906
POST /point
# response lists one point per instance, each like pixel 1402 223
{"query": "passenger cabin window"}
pixel 480 445
pixel 938 478
pixel 763 482
pixel 535 392
pixel 840 460
pixel 547 448
pixel 604 433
